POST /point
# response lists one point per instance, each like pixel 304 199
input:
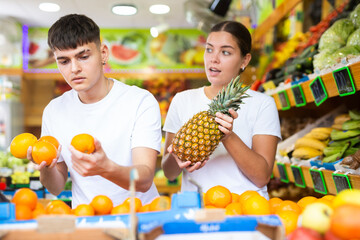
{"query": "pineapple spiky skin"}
pixel 198 138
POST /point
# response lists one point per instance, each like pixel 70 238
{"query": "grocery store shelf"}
pixel 329 84
pixel 329 182
pixel 125 75
pixel 10 71
pixel 274 18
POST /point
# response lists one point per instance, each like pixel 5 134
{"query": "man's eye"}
pixel 84 57
pixel 208 50
pixel 63 62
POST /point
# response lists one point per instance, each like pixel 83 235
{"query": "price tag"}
pixel 344 81
pixel 341 182
pixel 35 183
pixel 298 95
pixel 283 173
pixel 284 100
pixel 318 91
pixel 298 176
pixel 318 181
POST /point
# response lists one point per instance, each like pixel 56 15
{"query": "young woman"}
pixel 245 157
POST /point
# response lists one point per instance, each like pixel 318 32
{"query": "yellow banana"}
pixel 310 142
pixel 322 129
pixel 306 152
pixel 322 136
pixel 340 119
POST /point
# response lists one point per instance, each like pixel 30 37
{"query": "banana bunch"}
pixel 312 144
pixel 345 138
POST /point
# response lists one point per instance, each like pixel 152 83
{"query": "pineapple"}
pixel 197 139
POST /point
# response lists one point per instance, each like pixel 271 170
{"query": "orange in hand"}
pixel 50 139
pixel 218 196
pixel 25 196
pixel 102 204
pixel 44 151
pixel 84 143
pixel 20 144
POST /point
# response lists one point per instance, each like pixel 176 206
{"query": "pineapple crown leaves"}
pixel 229 97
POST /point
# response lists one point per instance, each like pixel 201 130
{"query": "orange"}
pixel 288 205
pixel 329 197
pixel 145 208
pixel 121 209
pixel 38 212
pixel 233 208
pixel 57 207
pixel 326 201
pixel 20 144
pixel 39 205
pixel 138 203
pixel 84 143
pixel 256 205
pixel 161 203
pixel 50 139
pixel 44 151
pixel 102 204
pixel 274 203
pixel 245 195
pixel 303 202
pixel 25 196
pixel 83 210
pixel 235 197
pixel 289 219
pixel 210 206
pixel 218 196
pixel 22 212
pixel 345 221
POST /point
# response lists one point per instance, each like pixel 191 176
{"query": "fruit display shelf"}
pixel 185 218
pixel 328 185
pixel 285 97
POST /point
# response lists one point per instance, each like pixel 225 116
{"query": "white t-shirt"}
pixel 126 118
pixel 257 115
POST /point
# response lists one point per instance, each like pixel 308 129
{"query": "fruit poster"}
pixel 130 49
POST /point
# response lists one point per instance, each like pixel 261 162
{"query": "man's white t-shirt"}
pixel 128 117
pixel 257 115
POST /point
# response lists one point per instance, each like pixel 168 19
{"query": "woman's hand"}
pixel 43 165
pixel 226 122
pixel 186 165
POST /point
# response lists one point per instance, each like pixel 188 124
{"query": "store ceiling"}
pixel 27 12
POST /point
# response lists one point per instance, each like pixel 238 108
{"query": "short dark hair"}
pixel 239 31
pixel 71 31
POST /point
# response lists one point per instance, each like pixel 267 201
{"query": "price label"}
pixel 298 176
pixel 318 181
pixel 299 96
pixel 344 81
pixel 318 91
pixel 283 173
pixel 341 182
pixel 35 184
pixel 284 100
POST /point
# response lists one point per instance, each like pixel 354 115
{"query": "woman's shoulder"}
pixel 190 92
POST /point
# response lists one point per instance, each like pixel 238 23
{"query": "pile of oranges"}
pixel 28 207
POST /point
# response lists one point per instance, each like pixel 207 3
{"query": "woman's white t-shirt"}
pixel 128 117
pixel 257 115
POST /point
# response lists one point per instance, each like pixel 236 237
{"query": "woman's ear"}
pixel 246 61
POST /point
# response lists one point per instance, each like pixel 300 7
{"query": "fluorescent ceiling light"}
pixel 124 9
pixel 49 7
pixel 155 31
pixel 159 9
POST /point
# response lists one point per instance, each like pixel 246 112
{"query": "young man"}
pixel 124 120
